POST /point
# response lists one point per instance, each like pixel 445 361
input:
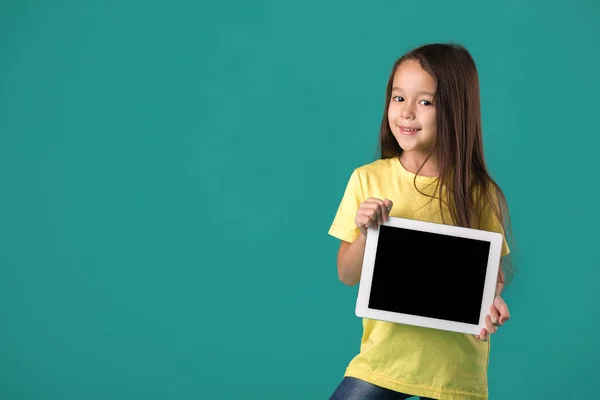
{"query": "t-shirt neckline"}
pixel 407 174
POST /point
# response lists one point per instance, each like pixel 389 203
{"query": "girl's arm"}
pixel 350 259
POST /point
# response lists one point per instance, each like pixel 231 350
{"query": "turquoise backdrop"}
pixel 169 171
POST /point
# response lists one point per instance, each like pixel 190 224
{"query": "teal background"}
pixel 169 172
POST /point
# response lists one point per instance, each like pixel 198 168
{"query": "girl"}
pixel 431 168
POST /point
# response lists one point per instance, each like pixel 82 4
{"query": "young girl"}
pixel 432 168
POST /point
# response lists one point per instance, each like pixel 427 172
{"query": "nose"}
pixel 407 112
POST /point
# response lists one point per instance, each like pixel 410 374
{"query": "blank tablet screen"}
pixel 429 274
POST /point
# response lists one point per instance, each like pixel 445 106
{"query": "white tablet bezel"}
pixel 362 304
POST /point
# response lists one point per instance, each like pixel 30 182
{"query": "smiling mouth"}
pixel 408 131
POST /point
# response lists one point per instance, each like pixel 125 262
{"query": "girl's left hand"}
pixel 498 316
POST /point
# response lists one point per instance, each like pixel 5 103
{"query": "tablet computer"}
pixel 429 274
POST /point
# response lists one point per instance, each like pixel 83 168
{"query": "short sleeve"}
pixel 344 224
pixel 491 223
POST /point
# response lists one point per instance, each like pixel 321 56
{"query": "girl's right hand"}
pixel 372 213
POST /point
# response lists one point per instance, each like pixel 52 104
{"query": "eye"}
pixel 425 102
pixel 397 98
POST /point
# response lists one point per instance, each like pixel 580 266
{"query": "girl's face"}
pixel 411 113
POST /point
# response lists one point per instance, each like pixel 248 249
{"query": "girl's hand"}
pixel 498 315
pixel 372 213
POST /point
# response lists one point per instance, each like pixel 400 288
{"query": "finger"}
pixel 491 328
pixel 374 216
pixel 373 200
pixel 367 214
pixel 383 211
pixel 494 315
pixel 376 212
pixel 482 335
pixel 364 220
pixel 389 204
pixel 502 309
pixel 369 208
pixel 369 221
pixel 380 207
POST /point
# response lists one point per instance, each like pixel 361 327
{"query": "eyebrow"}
pixel 395 88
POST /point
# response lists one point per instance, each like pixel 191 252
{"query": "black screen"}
pixel 429 274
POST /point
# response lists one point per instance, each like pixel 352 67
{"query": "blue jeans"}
pixel 356 389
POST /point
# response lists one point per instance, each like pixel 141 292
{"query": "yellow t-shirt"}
pixel 413 360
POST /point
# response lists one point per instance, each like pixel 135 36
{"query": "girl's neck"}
pixel 412 162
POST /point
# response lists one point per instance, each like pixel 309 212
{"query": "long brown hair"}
pixel 464 183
